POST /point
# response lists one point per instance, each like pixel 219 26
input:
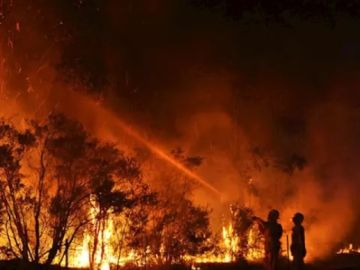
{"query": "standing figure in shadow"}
pixel 298 249
pixel 272 231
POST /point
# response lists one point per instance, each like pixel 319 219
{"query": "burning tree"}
pixel 113 204
pixel 110 171
pixel 51 172
pixel 174 228
pixel 169 227
pixel 59 186
pixel 184 227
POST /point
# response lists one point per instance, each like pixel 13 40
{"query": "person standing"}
pixel 272 231
pixel 298 248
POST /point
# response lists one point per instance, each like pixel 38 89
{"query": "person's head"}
pixel 298 218
pixel 273 215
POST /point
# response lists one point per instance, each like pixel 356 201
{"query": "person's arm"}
pixel 260 222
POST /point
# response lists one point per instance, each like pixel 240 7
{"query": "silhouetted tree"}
pixel 15 197
pixel 50 175
pixel 109 170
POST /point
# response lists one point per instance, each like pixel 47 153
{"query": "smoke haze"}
pixel 268 98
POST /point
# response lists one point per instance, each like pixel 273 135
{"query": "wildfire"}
pixel 231 243
pixel 102 261
pixel 255 251
pixel 230 247
pixel 103 252
pixel 350 249
pixel 228 250
pixel 81 258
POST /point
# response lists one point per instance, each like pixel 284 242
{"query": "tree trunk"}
pixel 37 208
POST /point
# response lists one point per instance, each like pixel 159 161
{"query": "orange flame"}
pixel 230 248
pixel 349 250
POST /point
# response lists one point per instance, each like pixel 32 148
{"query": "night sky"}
pixel 282 74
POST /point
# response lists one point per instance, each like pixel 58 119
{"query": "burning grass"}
pixel 350 249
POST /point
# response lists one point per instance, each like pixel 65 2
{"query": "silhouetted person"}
pixel 298 249
pixel 272 231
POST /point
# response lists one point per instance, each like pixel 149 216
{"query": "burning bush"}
pixel 251 241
